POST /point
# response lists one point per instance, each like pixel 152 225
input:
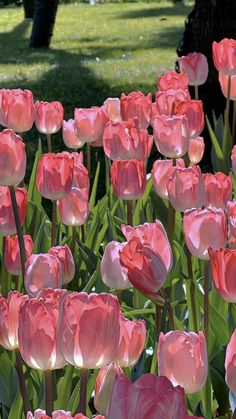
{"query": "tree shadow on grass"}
pixel 158 11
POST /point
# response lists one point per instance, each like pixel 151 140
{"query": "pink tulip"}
pixel 74 209
pixel 7 220
pixel 136 104
pixel 42 271
pixel 12 260
pixel 63 253
pixel 172 80
pixel 54 175
pixel 224 56
pixel 112 109
pixel 186 188
pixel 12 158
pixel 230 366
pixel 171 135
pixel 81 176
pixel 203 229
pixel 218 188
pixel 231 240
pixel 16 109
pixel 161 171
pixel 89 124
pixel 90 321
pixel 167 101
pixel 69 136
pixel 113 274
pixel 58 414
pixel 177 349
pixel 103 387
pixel 193 109
pixel 48 117
pixel 223 272
pixel 223 79
pixel 195 65
pixel 9 319
pixel 233 159
pixel 231 212
pixel 196 150
pixel 128 178
pixel 132 341
pixel 154 235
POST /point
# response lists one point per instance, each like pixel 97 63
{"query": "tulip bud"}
pixel 112 109
pixel 223 272
pixel 132 341
pixel 230 363
pixel 48 117
pixel 161 171
pixel 195 65
pixel 74 209
pixel 63 253
pixel 167 101
pixel 193 109
pixel 7 219
pixel 203 229
pixel 104 382
pixel 54 175
pixel 179 348
pixel 196 150
pixel 17 109
pixel 136 104
pixel 218 189
pixel 113 274
pixel 224 56
pixel 12 158
pixel 223 79
pixel 186 188
pixel 128 179
pixel 172 80
pixel 42 271
pixel 89 124
pixel 12 261
pixel 69 136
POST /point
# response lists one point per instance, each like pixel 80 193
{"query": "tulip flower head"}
pixel 17 109
pixel 136 104
pixel 161 171
pixel 224 56
pixel 131 344
pixel 172 80
pixel 223 269
pixel 48 117
pixel 196 150
pixel 7 219
pixel 69 136
pixel 12 261
pixel 12 158
pixel 230 367
pixel 218 189
pixel 113 274
pixel 103 387
pixel 195 65
pixel 128 178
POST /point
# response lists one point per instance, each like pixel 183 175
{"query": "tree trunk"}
pixel 28 9
pixel 44 18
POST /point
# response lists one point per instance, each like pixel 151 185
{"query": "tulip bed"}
pixel 122 307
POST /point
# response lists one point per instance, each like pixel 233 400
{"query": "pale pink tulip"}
pixel 132 341
pixel 17 109
pixel 103 387
pixel 69 136
pixel 218 189
pixel 48 116
pixel 196 150
pixel 161 171
pixel 195 65
pixel 12 158
pixel 113 274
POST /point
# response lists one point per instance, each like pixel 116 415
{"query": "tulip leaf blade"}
pixel 33 192
pixel 8 380
pixel 17 407
pixel 220 161
pixel 64 387
pixel 94 188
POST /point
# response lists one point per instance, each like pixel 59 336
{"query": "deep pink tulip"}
pixel 89 124
pixel 172 80
pixel 9 319
pixel 74 209
pixel 230 366
pixel 161 171
pixel 233 159
pixel 113 274
pixel 132 341
pixel 7 220
pixel 16 109
pixel 136 104
pixel 195 65
pixel 90 321
pixel 224 56
pixel 112 109
pixel 55 175
pixel 231 213
pixel 103 387
pixel 38 330
pixel 223 79
pixel 186 188
pixel 12 261
pixel 12 158
pixel 167 101
pixel 203 229
pixel 223 269
pixel 171 135
pixel 193 109
pixel 196 150
pixel 177 349
pixel 63 253
pixel 42 271
pixel 218 189
pixel 128 178
pixel 69 136
pixel 48 116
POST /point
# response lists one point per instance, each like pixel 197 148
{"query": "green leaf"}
pixel 33 192
pixel 217 149
pixel 8 380
pixel 64 387
pixel 17 407
pixel 94 188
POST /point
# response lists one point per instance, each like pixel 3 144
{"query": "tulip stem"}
pixel 158 321
pixel 196 92
pixel 107 161
pixel 193 309
pixel 234 124
pixel 130 213
pixel 206 299
pixel 54 223
pixel 83 391
pixel 49 141
pixel 82 233
pixel 171 223
pixel 226 128
pixel 48 392
pixel 18 229
pixel 73 240
pixel 88 161
pixel 21 378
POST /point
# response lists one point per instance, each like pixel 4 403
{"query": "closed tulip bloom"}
pixel 128 178
pixel 17 109
pixel 90 321
pixel 63 253
pixel 171 135
pixel 38 330
pixel 172 80
pixel 125 141
pixel 9 319
pixel 196 150
pixel 155 236
pixel 69 136
pixel 55 175
pixel 186 188
pixel 231 213
pixel 224 85
pixel 112 109
pixel 161 171
pixel 132 341
pixel 48 116
pixel 7 219
pixel 195 65
pixel 148 397
pixel 224 56
pixel 113 274
pixel 218 189
pixel 223 269
pixel 42 271
pixel 103 386
pixel 136 104
pixel 89 124
pixel 230 366
pixel 179 348
pixel 233 159
pixel 74 209
pixel 203 229
pixel 12 158
pixel 12 260
pixel 166 101
pixel 193 109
